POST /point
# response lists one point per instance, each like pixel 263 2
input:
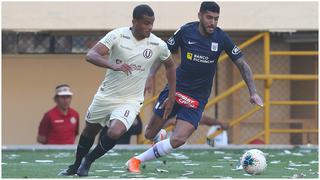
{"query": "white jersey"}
pixel 140 55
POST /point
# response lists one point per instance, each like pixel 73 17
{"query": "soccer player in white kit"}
pixel 128 53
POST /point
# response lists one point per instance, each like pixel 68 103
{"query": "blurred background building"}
pixel 44 43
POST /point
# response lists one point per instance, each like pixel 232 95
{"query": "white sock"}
pixel 160 149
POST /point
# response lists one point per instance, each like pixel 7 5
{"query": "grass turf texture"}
pixel 181 163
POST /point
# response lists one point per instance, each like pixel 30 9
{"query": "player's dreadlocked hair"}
pixel 142 10
pixel 209 6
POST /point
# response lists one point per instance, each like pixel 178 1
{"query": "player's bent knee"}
pixel 177 141
pixel 149 134
pixel 114 133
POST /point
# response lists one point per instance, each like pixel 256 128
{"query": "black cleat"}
pixel 83 170
pixel 72 170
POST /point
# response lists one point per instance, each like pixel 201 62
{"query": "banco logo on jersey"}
pixel 235 50
pixel 147 53
pixel 189 56
pixel 199 58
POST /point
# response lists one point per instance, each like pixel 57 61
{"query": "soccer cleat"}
pixel 83 170
pixel 133 165
pixel 72 170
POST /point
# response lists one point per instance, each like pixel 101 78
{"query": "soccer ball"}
pixel 254 161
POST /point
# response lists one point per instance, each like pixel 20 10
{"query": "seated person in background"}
pixel 60 125
pixel 135 129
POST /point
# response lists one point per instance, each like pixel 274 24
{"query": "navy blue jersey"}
pixel 199 58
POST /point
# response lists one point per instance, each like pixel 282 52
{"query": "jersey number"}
pixel 126 114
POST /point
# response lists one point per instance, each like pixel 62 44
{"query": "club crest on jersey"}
pixel 214 46
pixel 73 120
pixel 147 53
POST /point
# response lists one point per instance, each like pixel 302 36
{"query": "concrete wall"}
pixel 28 83
pixel 238 16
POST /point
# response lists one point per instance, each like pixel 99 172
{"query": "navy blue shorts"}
pixel 185 108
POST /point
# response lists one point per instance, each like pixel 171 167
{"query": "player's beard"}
pixel 206 29
pixel 147 34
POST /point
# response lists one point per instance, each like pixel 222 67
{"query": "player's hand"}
pixel 256 99
pixel 168 106
pixel 149 85
pixel 126 68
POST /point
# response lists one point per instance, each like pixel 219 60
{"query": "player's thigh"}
pixel 187 122
pixel 158 109
pixel 191 115
pixel 156 122
pixel 99 112
pixel 124 115
pixel 91 130
pixel 182 131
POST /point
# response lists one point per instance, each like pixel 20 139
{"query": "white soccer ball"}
pixel 254 161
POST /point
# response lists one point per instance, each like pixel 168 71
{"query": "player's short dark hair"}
pixel 209 6
pixel 142 10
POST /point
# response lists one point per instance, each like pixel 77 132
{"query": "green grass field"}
pixel 295 163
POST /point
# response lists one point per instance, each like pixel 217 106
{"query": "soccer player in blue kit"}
pixel 201 44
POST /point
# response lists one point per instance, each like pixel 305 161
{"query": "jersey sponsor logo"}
pixel 192 42
pixel 214 46
pixel 73 120
pixel 136 67
pixel 189 56
pixel 147 53
pixel 235 50
pixel 199 58
pixel 171 41
pixel 186 101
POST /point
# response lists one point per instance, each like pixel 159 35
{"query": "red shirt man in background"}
pixel 60 125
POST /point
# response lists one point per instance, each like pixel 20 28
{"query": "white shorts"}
pixel 103 112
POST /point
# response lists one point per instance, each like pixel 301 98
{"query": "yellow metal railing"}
pixel 268 78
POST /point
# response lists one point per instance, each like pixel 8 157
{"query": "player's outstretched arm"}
pixel 171 77
pixel 98 55
pixel 247 76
